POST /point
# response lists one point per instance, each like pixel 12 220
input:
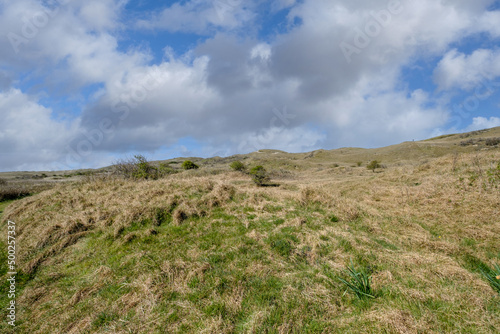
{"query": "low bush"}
pixel 492 141
pixel 16 190
pixel 140 168
pixel 373 165
pixel 189 165
pixel 238 166
pixel 259 175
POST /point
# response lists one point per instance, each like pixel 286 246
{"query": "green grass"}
pixel 493 276
pixel 359 282
pixel 4 205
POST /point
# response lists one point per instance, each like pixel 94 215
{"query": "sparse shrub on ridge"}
pixel 188 164
pixel 238 166
pixel 139 168
pixel 492 141
pixel 143 169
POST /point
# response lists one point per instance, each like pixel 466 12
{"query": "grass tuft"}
pixel 360 282
pixel 493 276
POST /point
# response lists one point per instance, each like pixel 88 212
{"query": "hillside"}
pixel 207 251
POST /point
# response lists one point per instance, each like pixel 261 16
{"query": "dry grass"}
pixel 212 253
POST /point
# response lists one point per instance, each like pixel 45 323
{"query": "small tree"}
pixel 373 165
pixel 189 165
pixel 237 166
pixel 143 169
pixel 136 168
pixel 259 175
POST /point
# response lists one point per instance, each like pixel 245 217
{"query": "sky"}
pixel 84 83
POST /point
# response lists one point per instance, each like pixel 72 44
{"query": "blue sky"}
pixel 84 83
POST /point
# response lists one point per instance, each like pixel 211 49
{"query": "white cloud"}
pixel 200 16
pixel 70 47
pixel 458 70
pixel 29 137
pixel 480 123
pixel 488 22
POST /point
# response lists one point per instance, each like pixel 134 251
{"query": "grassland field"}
pixel 208 251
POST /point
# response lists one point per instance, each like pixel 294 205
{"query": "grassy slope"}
pixel 215 254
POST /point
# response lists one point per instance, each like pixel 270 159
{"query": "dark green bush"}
pixel 237 166
pixel 189 165
pixel 259 175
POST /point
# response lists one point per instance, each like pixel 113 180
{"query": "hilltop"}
pixel 208 251
pixel 400 153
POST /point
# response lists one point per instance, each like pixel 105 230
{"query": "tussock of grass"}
pixel 213 253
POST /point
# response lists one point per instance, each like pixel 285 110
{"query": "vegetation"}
pixel 208 251
pixel 373 165
pixel 139 168
pixel 493 276
pixel 259 175
pixel 11 190
pixel 359 282
pixel 189 165
pixel 237 166
pixel 493 175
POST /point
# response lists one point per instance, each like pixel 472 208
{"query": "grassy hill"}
pixel 207 251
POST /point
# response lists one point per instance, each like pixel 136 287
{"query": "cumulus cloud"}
pixel 458 70
pixel 29 136
pixel 479 123
pixel 200 16
pixel 66 40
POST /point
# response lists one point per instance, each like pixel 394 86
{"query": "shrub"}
pixel 136 168
pixel 492 141
pixel 259 175
pixel 3 182
pixel 143 169
pixel 16 190
pixel 373 165
pixel 238 166
pixel 189 165
pixel 359 163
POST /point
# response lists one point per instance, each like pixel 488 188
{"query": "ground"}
pixel 208 251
